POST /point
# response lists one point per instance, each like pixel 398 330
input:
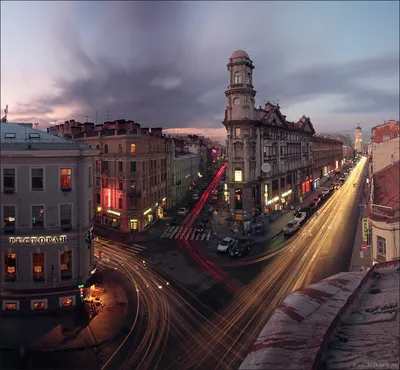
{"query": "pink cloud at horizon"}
pixel 216 134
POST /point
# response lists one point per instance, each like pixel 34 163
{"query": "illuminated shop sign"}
pixel 37 239
pixel 146 212
pixel 113 213
pixel 238 175
pixel 287 193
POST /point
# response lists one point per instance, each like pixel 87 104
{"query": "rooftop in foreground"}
pixel 350 320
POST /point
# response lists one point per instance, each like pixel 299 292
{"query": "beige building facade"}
pixel 263 136
pixel 131 172
pixel 47 211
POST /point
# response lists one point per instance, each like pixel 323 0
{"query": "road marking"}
pixel 208 236
pixel 175 231
pixel 167 231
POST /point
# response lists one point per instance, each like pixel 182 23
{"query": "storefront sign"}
pixel 37 239
pixel 287 193
pixel 365 229
pixel 146 212
pixel 113 212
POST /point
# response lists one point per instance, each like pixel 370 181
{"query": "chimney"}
pixel 156 131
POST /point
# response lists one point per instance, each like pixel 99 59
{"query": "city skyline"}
pixel 68 60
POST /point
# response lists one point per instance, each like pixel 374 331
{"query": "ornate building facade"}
pixel 358 142
pixel 263 136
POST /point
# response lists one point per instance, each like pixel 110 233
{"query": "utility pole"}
pixel 87 119
pixel 97 117
pixel 107 115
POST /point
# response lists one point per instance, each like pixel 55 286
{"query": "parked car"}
pixel 316 200
pixel 313 207
pixel 300 217
pixel 331 187
pixel 321 197
pixel 240 249
pixel 325 191
pixel 337 184
pixel 195 196
pixel 307 210
pixel 183 211
pixel 291 227
pixel 214 192
pixel 226 244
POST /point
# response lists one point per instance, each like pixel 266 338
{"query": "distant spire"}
pixel 4 119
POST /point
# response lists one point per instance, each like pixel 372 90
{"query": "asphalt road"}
pixel 320 249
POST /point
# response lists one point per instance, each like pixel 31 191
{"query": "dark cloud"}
pixel 156 73
pixel 343 79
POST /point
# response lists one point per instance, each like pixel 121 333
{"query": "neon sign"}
pixel 38 239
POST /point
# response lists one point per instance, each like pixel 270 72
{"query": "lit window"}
pixel 9 218
pixel 133 148
pixel 67 302
pixel 238 175
pixel 66 178
pixel 66 265
pixel 237 132
pixel 13 306
pixel 39 305
pixel 38 266
pixel 10 266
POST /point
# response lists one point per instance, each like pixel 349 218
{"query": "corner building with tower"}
pixel 270 159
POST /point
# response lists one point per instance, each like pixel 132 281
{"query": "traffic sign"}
pixel 363 247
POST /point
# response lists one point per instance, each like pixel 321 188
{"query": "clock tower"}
pixel 240 93
pixel 243 152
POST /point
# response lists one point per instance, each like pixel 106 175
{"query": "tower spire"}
pixel 4 119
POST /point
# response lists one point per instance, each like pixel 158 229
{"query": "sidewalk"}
pixel 274 228
pixel 60 333
pixel 361 260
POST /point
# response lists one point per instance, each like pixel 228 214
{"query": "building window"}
pixel 90 176
pixel 120 184
pixel 120 148
pixel 65 215
pixel 10 305
pixel 37 305
pixel 67 301
pixel 98 147
pixel 98 181
pixel 10 266
pixel 98 166
pixel 248 79
pixel 238 199
pixel 37 179
pixel 104 183
pixel 98 198
pixel 120 203
pixel 8 179
pixel 66 265
pixel 133 166
pixel 106 148
pixel 104 166
pixel 381 245
pixel 66 178
pixel 9 214
pixel 90 210
pixel 38 266
pixel 237 132
pixel 37 217
pixel 120 166
pixel 133 148
pixel 236 78
pixel 238 175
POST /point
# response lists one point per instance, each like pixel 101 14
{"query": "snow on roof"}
pixel 369 333
pixel 14 136
pixel 293 336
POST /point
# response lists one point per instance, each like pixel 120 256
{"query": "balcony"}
pixel 134 194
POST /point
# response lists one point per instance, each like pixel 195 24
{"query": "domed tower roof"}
pixel 240 54
pixel 358 127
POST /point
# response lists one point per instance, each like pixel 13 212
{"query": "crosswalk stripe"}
pixel 209 234
pixel 177 229
pixel 185 233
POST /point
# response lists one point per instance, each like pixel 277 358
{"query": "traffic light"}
pixel 81 290
pixel 102 256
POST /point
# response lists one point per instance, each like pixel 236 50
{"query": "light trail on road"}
pixel 226 340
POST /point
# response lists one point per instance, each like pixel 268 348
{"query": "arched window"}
pixel 133 148
pixel 98 147
pixel 120 148
pixel 248 79
pixel 236 78
pixel 106 148
pixel 90 146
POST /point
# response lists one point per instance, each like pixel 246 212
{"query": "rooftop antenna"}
pixel 87 119
pixel 107 115
pixel 36 125
pixel 97 117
